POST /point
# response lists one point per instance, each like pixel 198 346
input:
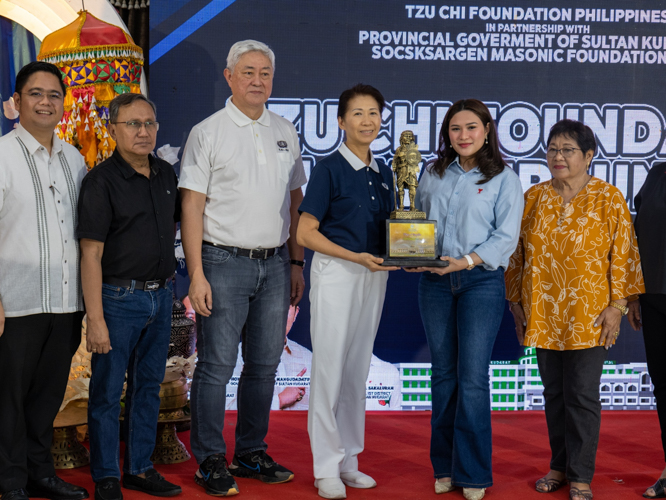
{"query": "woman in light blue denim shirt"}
pixel 478 204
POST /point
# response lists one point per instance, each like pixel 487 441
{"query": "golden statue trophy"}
pixel 411 240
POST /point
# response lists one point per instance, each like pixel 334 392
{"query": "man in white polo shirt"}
pixel 241 179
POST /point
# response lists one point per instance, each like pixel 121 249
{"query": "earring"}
pixel 486 139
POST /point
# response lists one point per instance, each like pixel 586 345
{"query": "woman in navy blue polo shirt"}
pixel 348 199
pixel 478 204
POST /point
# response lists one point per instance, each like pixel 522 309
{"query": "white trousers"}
pixel 346 303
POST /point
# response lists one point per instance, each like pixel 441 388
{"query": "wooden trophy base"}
pixel 413 262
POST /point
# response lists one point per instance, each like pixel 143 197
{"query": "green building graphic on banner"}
pixel 516 385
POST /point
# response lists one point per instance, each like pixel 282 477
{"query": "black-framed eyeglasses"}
pixel 566 152
pixel 38 96
pixel 136 125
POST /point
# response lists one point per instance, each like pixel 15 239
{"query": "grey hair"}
pixel 238 49
pixel 125 100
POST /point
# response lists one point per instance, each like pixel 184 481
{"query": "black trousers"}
pixel 573 410
pixel 35 355
pixel 653 315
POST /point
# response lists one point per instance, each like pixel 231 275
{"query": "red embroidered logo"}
pixel 479 191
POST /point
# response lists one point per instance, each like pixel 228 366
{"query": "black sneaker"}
pixel 259 465
pixel 214 477
pixel 153 484
pixel 108 489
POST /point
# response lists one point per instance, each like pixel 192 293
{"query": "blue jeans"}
pixel 255 294
pixel 139 326
pixel 461 314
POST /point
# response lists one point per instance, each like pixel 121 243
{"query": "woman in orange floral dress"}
pixel 568 282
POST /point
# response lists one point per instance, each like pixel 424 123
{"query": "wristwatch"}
pixel 470 262
pixel 623 309
pixel 299 263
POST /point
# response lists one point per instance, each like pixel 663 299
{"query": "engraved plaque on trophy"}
pixel 411 240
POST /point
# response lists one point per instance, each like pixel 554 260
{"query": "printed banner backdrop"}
pixel 532 62
pixel 17 48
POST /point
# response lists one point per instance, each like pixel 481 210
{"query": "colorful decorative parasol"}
pixel 98 61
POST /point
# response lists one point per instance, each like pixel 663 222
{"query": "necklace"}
pixel 567 208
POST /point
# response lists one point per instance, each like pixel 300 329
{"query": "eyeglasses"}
pixel 150 125
pixel 38 96
pixel 566 152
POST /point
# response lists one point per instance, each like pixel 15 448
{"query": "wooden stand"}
pixel 67 451
pixel 173 397
pixel 168 448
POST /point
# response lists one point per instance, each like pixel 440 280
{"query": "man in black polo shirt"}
pixel 127 209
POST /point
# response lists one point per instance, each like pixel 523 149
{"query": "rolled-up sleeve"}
pixel 498 248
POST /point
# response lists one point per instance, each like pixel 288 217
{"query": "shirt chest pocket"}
pixel 285 162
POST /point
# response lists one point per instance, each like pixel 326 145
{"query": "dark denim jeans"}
pixel 254 293
pixel 573 410
pixel 139 326
pixel 461 313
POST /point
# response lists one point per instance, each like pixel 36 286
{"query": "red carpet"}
pixel 628 461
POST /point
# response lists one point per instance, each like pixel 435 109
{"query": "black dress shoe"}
pixel 19 494
pixel 153 484
pixel 56 489
pixel 108 489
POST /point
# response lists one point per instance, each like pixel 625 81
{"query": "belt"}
pixel 254 253
pixel 146 286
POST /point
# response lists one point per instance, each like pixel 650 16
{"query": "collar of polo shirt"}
pixel 457 161
pixel 127 170
pixel 33 144
pixel 355 161
pixel 241 119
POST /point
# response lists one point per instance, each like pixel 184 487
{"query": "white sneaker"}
pixel 357 479
pixel 331 487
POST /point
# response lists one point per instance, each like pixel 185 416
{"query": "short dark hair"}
pixel 359 89
pixel 576 131
pixel 125 100
pixel 489 158
pixel 33 67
